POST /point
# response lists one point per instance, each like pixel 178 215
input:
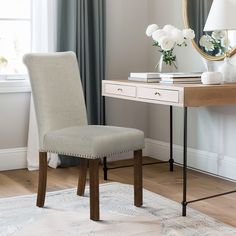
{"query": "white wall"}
pixel 126 52
pixel 14 119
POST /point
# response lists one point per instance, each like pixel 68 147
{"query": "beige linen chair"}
pixel 63 129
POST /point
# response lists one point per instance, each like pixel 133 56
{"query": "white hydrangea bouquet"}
pixel 217 43
pixel 167 38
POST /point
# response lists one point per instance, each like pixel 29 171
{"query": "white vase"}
pixel 228 71
pixel 209 65
pixel 162 67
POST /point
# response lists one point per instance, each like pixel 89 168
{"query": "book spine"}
pixel 180 79
pixel 181 82
pixel 145 76
pixel 138 79
pixel 144 79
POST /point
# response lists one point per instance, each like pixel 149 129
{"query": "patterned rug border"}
pixel 56 192
pixel 173 204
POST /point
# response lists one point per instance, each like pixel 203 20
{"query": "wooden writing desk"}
pixel 180 95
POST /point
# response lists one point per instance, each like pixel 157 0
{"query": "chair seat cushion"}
pixel 93 141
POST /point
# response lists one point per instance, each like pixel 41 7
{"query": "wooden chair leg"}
pixel 83 165
pixel 138 179
pixel 105 169
pixel 42 181
pixel 94 189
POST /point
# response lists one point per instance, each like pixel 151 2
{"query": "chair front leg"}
pixel 94 189
pixel 138 179
pixel 83 165
pixel 42 179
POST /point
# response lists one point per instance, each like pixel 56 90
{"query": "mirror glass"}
pixel 212 45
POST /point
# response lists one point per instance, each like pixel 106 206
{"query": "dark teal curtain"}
pixel 198 11
pixel 81 28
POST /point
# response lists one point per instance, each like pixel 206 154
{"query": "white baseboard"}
pixel 212 163
pixel 209 162
pixel 13 158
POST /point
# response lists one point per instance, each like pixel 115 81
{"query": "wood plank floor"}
pixel 157 178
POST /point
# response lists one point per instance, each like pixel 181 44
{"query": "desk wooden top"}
pixel 190 95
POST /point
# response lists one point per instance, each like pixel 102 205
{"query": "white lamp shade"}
pixel 222 16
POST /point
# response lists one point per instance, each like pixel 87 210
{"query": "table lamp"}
pixel 222 18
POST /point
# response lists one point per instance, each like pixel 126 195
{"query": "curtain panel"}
pixel 81 28
pixel 198 13
pixel 44 17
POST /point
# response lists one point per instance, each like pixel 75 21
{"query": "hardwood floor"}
pixel 157 178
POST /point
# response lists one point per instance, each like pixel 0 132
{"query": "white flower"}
pixel 167 38
pixel 150 29
pixel 158 34
pixel 177 36
pixel 209 47
pixel 206 42
pixel 166 43
pixel 204 39
pixel 188 33
pixel 169 28
pixel 217 35
pixel 225 43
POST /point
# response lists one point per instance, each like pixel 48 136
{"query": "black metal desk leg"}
pixel 184 203
pixel 171 160
pixel 105 168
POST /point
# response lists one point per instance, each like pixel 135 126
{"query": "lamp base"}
pixel 228 71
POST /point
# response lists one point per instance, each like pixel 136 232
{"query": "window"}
pixel 15 36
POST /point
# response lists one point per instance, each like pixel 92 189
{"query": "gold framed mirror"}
pixel 195 14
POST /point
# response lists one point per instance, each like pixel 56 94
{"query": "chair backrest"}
pixel 57 91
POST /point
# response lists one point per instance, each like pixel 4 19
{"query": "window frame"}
pixel 20 76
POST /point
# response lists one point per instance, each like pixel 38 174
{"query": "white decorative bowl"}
pixel 212 78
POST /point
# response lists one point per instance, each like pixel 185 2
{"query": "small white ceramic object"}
pixel 212 78
pixel 228 71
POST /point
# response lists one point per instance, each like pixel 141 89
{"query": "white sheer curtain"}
pixel 43 40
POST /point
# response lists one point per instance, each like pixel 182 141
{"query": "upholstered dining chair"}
pixel 63 127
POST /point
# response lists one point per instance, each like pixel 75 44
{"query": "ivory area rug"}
pixel 67 214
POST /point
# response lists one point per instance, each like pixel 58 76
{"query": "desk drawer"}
pixel 158 94
pixel 122 90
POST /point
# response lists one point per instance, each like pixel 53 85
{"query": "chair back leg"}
pixel 42 179
pixel 94 189
pixel 105 169
pixel 83 165
pixel 138 179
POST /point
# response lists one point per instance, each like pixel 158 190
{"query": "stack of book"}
pixel 181 78
pixel 171 78
pixel 149 77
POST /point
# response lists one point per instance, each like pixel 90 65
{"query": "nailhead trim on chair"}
pixel 92 157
